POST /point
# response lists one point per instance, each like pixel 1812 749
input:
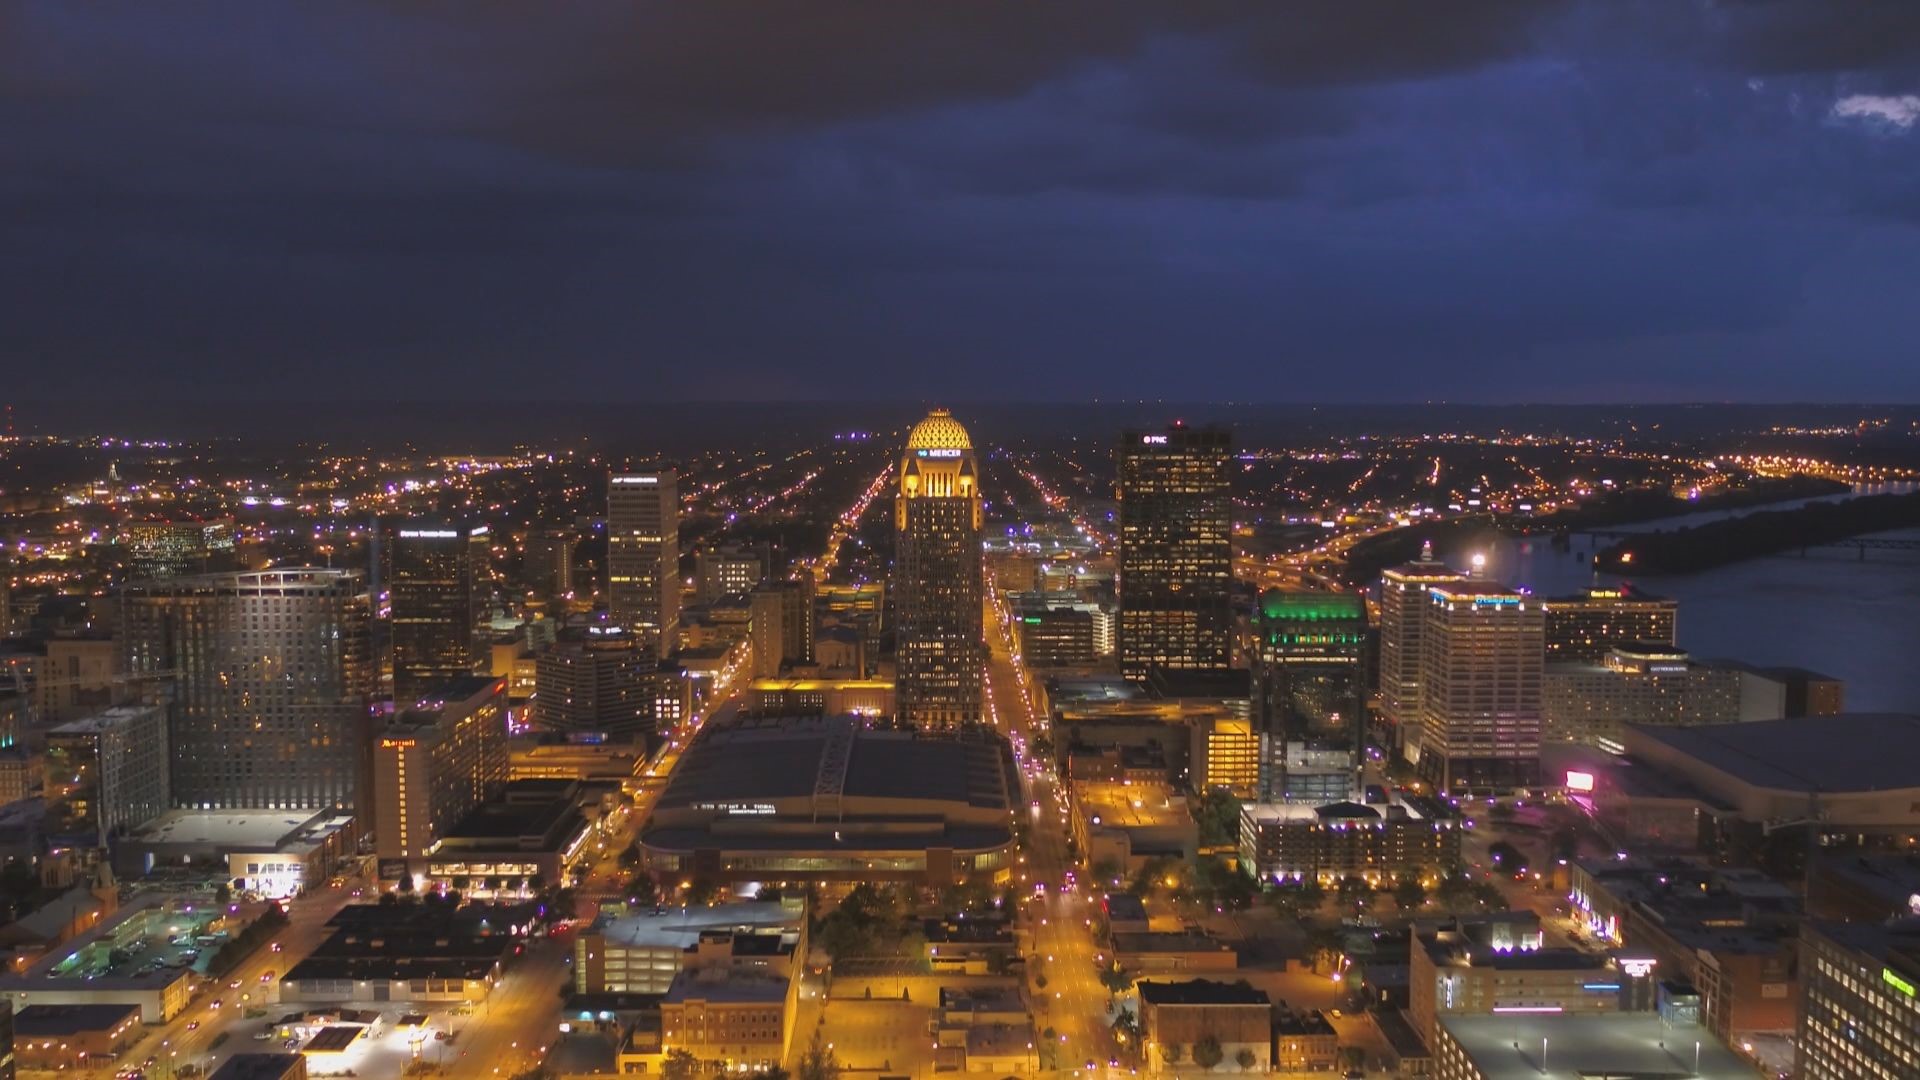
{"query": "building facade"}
pixel 271 674
pixel 1636 683
pixel 596 681
pixel 727 571
pixel 107 773
pixel 1403 620
pixel 1380 844
pixel 781 625
pixel 1860 1005
pixel 1481 681
pixel 1311 652
pixel 940 653
pixel 1176 550
pixel 166 549
pixel 1584 626
pixel 439 589
pixel 643 556
pixel 436 762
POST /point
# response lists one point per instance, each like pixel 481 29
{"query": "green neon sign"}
pixel 1895 981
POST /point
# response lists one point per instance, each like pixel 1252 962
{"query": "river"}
pixel 1857 621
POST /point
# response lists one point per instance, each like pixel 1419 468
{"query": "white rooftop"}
pixel 680 928
pixel 1624 1045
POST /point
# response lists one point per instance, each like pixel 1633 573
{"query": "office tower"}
pixel 439 590
pixel 782 625
pixel 546 563
pixel 1860 1001
pixel 271 678
pixel 597 682
pixel 165 549
pixel 435 762
pixel 726 571
pixel 107 774
pixel 1310 653
pixel 1483 652
pixel 643 556
pixel 1176 550
pixel 1403 614
pixel 1585 625
pixel 78 678
pixel 940 658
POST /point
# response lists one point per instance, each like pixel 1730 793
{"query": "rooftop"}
pixel 238 830
pixel 256 1067
pixel 1804 754
pixel 724 985
pixel 1131 806
pixel 1302 606
pixel 1624 1046
pixel 105 720
pixel 61 1020
pixel 1201 992
pixel 680 928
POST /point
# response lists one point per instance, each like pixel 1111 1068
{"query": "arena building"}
pixel 830 799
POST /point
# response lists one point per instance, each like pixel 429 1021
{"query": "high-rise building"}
pixel 1176 550
pixel 1635 683
pixel 643 556
pixel 439 590
pixel 1483 652
pixel 1403 615
pixel 164 549
pixel 272 679
pixel 546 563
pixel 596 681
pixel 1311 650
pixel 435 762
pixel 940 657
pixel 782 625
pixel 107 774
pixel 727 570
pixel 1860 1001
pixel 1583 626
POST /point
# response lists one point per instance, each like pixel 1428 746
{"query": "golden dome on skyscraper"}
pixel 939 431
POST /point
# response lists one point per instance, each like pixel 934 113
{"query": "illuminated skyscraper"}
pixel 439 591
pixel 162 549
pixel 937 578
pixel 1312 649
pixel 1482 676
pixel 1176 551
pixel 1586 625
pixel 643 556
pixel 272 679
pixel 1403 614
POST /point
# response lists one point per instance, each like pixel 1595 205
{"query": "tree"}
pixel 1507 857
pixel 775 1072
pixel 1354 887
pixel 1355 1057
pixel 1105 871
pixel 680 1065
pixel 642 890
pixel 1127 1026
pixel 1245 1059
pixel 1325 944
pixel 222 893
pixel 1409 893
pixel 818 1062
pixel 1218 816
pixel 702 893
pixel 1115 980
pixel 1171 1053
pixel 768 894
pixel 1207 1052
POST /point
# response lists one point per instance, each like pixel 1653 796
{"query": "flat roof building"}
pixel 1860 1003
pixel 1557 1046
pixel 435 762
pixel 1381 844
pixel 825 798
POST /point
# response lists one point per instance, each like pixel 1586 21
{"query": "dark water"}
pixel 1858 621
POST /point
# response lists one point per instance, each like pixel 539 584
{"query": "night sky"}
pixel 1492 200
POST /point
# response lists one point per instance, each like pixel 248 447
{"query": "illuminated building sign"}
pixel 636 479
pixel 1637 967
pixel 942 453
pixel 1154 440
pixel 395 744
pixel 1887 976
pixel 737 809
pixel 428 534
pixel 1579 781
pixel 1605 594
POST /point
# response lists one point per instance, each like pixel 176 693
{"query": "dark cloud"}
pixel 1320 198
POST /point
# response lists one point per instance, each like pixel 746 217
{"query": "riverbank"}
pixel 1368 557
pixel 1718 543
